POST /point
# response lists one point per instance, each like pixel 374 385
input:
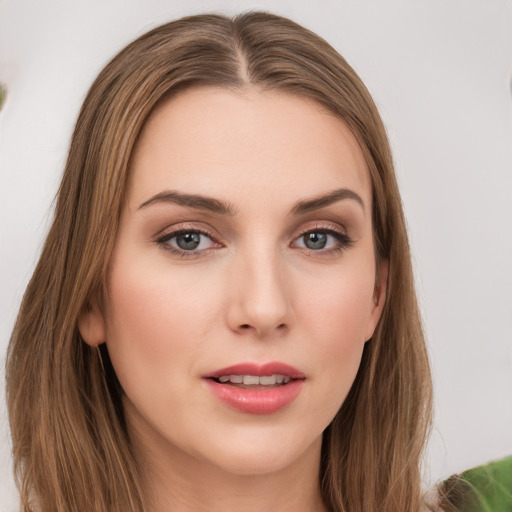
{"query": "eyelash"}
pixel 344 242
pixel 166 237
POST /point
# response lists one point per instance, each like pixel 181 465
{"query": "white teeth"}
pixel 268 381
pixel 248 380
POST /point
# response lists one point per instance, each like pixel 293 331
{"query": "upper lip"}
pixel 258 370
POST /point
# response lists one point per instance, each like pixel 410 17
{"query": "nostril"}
pixel 245 327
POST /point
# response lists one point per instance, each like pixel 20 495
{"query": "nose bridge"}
pixel 261 302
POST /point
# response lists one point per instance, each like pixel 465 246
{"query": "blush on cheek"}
pixel 150 320
pixel 338 322
pixel 343 311
pixel 336 379
pixel 133 336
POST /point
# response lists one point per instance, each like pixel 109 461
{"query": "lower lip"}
pixel 256 401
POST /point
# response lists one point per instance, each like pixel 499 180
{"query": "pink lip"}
pixel 252 400
pixel 259 370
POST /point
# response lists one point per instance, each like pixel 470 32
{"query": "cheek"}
pixel 336 319
pixel 339 310
pixel 153 324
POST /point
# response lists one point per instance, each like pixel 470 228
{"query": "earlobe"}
pixel 91 325
pixel 379 297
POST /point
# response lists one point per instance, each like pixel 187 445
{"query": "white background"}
pixel 440 72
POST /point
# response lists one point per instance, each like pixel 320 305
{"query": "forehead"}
pixel 218 142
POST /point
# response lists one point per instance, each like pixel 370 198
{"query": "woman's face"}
pixel 244 251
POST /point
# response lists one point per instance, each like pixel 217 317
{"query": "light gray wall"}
pixel 440 72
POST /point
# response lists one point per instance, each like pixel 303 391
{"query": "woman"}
pixel 223 316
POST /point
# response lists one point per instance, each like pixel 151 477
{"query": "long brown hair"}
pixel 71 449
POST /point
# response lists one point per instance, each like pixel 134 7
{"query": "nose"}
pixel 260 295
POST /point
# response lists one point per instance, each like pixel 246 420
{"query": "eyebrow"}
pixel 200 202
pixel 195 201
pixel 325 200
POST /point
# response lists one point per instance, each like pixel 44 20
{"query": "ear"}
pixel 379 297
pixel 91 325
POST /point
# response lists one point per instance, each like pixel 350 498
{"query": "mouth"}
pixel 256 389
pixel 254 381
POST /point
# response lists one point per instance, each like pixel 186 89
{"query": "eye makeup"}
pixel 323 240
pixel 188 241
pixel 192 241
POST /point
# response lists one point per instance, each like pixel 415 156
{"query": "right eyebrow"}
pixel 196 201
pixel 327 199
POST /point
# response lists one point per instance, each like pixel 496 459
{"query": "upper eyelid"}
pixel 337 233
pixel 200 227
pixel 163 241
pixel 321 226
pixel 179 231
pixel 184 227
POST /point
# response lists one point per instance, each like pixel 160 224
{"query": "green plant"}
pixel 485 488
pixel 2 95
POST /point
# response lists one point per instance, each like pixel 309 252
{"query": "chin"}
pixel 255 464
pixel 264 456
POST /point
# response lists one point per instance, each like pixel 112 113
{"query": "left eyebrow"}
pixel 196 201
pixel 322 201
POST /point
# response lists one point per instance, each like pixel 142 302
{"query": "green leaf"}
pixel 2 95
pixel 488 488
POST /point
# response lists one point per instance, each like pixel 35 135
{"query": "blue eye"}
pixel 186 241
pixel 323 240
pixel 315 241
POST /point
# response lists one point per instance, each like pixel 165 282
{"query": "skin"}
pixel 253 291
